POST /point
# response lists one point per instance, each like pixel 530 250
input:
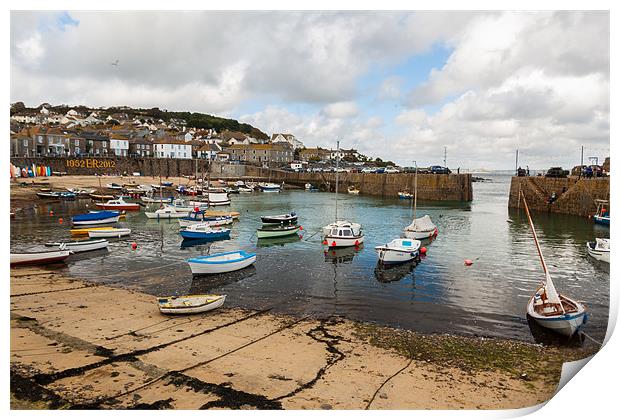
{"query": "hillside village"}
pixel 48 131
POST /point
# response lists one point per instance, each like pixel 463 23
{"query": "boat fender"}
pixel 468 262
pixel 357 243
pixel 333 243
pixel 134 246
pixel 325 242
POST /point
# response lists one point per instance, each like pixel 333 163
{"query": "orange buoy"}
pixel 423 250
pixel 134 246
pixel 60 220
pixel 468 262
pixel 51 213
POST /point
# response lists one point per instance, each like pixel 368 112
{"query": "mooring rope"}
pixel 592 339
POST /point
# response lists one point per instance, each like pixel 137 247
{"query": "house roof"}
pixel 253 146
pixel 169 140
pixel 209 148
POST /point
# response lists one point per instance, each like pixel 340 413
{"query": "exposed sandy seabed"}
pixel 75 344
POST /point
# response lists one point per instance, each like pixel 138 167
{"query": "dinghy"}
pixel 118 204
pixel 101 197
pixel 150 200
pixel 599 249
pixel 353 190
pixel 200 217
pixel 280 219
pixel 398 251
pixel 80 246
pixel 166 212
pixel 114 186
pixel 96 218
pixel 269 187
pixel 109 233
pixel 405 195
pixel 189 304
pixel 204 231
pixel 221 263
pixel 244 189
pixel 84 231
pixel 547 307
pixel 39 257
pixel 341 233
pixel 276 231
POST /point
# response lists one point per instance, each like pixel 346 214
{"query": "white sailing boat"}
pixel 547 307
pixel 341 233
pixel 423 227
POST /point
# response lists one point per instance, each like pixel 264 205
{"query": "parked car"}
pixel 380 171
pixel 556 172
pixel 391 170
pixel 436 169
pixel 368 170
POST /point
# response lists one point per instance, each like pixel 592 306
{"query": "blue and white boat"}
pixel 602 212
pixel 200 217
pixel 221 263
pixel 204 231
pixel 96 218
pixel 269 187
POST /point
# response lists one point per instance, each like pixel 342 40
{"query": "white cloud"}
pixel 341 110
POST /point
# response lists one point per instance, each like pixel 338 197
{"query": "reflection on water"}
pixel 392 273
pixel 295 276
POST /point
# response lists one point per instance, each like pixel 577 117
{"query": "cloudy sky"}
pixel 399 85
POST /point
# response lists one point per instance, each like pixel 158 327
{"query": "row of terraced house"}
pixel 45 141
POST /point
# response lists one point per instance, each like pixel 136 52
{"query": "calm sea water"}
pixel 439 295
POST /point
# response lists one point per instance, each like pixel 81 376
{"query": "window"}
pixel 104 144
pixel 26 142
pixel 77 150
pixel 77 142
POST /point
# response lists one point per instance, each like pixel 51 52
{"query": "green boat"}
pixel 276 231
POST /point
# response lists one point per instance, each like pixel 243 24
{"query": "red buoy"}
pixel 423 250
pixel 468 262
pixel 333 243
pixel 301 228
pixel 357 242
pixel 196 209
pixel 134 246
pixel 325 242
pixel 51 213
pixel 60 220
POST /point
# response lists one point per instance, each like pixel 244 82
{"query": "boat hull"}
pixel 275 233
pixel 275 220
pixel 39 258
pixel 211 236
pixel 601 255
pixel 601 220
pixel 107 220
pixel 116 233
pixel 205 267
pixel 194 309
pixel 410 234
pixel 158 216
pixel 340 242
pixel 567 324
pixel 393 256
pixel 81 246
pixel 127 207
pixel 213 222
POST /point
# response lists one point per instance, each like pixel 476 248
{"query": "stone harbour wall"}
pixel 573 196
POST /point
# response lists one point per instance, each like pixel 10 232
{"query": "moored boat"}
pixel 280 219
pixel 96 218
pixel 276 231
pixel 602 216
pixel 114 186
pixel 398 251
pixel 39 257
pixel 109 233
pixel 84 231
pixel 118 204
pixel 422 227
pixel 204 231
pixel 101 197
pixel 80 246
pixel 221 263
pixel 200 217
pixel 167 212
pixel 404 195
pixel 353 190
pixel 269 187
pixel 244 189
pixel 189 304
pixel 547 307
pixel 599 249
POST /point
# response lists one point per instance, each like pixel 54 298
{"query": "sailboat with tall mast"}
pixel 547 307
pixel 341 233
pixel 422 228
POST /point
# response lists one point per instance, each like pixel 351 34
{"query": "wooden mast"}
pixel 337 167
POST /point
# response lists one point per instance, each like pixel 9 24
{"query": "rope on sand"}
pixel 592 339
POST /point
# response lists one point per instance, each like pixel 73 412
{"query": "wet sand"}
pixel 81 345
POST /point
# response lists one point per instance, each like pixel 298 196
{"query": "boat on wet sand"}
pixel 547 307
pixel 599 249
pixel 109 233
pixel 279 219
pixel 398 251
pixel 39 257
pixel 221 263
pixel 118 204
pixel 276 231
pixel 80 246
pixel 189 304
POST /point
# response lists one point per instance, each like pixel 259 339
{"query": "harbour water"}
pixel 296 276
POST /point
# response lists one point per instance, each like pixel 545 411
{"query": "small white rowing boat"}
pixel 39 257
pixel 167 212
pixel 109 233
pixel 421 228
pixel 221 263
pixel 189 304
pixel 80 246
pixel 599 249
pixel 398 251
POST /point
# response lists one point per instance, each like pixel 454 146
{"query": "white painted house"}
pixel 287 138
pixel 172 148
pixel 119 147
